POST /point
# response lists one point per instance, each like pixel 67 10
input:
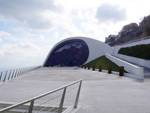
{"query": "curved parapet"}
pixel 76 51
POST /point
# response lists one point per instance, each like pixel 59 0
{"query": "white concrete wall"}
pixel 116 48
pixel 134 71
pixel 96 48
pixel 138 61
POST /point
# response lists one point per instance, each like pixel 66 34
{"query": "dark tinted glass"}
pixel 69 53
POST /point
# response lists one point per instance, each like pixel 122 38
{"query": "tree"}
pixel 145 25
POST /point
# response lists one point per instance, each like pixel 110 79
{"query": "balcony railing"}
pixel 13 73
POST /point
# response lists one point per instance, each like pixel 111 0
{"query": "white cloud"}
pixel 110 13
pixel 21 9
pixel 25 53
pixel 28 12
pixel 32 27
pixel 4 34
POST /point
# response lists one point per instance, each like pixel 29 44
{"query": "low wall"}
pixel 134 71
pixel 138 61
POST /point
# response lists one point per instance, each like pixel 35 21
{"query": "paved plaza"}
pixel 100 93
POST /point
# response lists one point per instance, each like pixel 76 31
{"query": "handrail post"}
pixel 1 76
pixel 62 101
pixel 31 106
pixel 77 96
pixel 9 74
pixel 5 76
pixel 16 73
pixel 13 74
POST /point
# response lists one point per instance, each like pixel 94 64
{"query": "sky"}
pixel 30 28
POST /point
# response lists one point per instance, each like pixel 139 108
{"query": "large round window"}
pixel 73 52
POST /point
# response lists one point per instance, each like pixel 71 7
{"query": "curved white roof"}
pixel 96 48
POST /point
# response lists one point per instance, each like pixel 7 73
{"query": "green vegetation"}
pixel 104 63
pixel 139 51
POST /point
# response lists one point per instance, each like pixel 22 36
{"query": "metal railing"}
pixel 13 73
pixel 61 104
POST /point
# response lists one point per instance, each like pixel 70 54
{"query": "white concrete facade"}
pixel 137 61
pixel 116 48
pixel 133 70
pixel 96 48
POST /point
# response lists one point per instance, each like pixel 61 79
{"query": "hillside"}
pixel 130 32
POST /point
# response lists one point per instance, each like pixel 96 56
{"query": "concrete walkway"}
pixel 101 92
